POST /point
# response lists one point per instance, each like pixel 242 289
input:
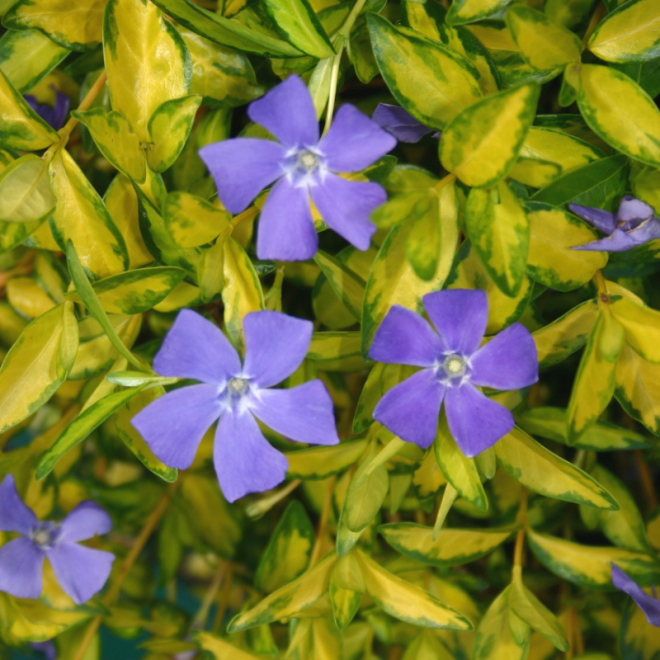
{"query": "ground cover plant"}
pixel 329 329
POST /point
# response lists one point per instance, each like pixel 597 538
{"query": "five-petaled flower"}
pixel 235 393
pixel 400 123
pixel 634 224
pixel 452 365
pixel 649 605
pixel 51 114
pixel 81 571
pixel 303 166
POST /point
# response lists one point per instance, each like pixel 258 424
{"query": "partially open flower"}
pixel 51 114
pixel 648 604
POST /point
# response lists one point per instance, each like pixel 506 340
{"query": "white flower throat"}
pixel 453 369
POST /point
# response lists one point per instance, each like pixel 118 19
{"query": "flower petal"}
pixel 509 361
pixel 346 207
pixel 460 317
pixel 603 220
pixel 400 123
pixel 631 208
pixel 354 141
pixel 81 571
pixel 15 515
pixel 649 605
pixel 286 227
pixel 618 241
pixel 60 110
pixel 404 337
pixel 647 231
pixel 244 460
pixel 242 168
pixel 275 346
pixel 411 409
pixel 287 111
pixel 303 413
pixel 21 565
pixel 86 520
pixel 196 348
pixel 475 421
pixel 174 425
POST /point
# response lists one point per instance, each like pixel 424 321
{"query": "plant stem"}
pixel 224 600
pixel 323 523
pixel 593 24
pixel 646 479
pixel 520 538
pixel 604 295
pixel 199 622
pixel 113 592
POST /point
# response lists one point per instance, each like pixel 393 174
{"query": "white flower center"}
pixel 454 366
pixel 238 385
pixel 44 535
pixel 307 161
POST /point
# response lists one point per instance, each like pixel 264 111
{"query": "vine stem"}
pixel 323 523
pixel 595 19
pixel 647 480
pixel 520 538
pixel 113 592
pixel 202 614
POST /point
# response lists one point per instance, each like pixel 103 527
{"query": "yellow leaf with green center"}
pixel 480 145
pixel 642 326
pixel 620 112
pixel 82 218
pixel 470 11
pixel 638 388
pixel 26 195
pixel 76 26
pixel 146 60
pixel 594 383
pixel 591 567
pixel 405 601
pixel 544 44
pixel 192 221
pixel 552 261
pixel 498 228
pixel 27 56
pixel 542 471
pixel 631 33
pixel 115 139
pixel 21 127
pixel 37 364
pixel 432 82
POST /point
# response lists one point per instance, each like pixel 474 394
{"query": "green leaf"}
pixel 538 469
pixel 631 33
pixel 27 56
pixel 460 471
pixel 228 32
pixel 620 112
pixel 37 364
pixel 347 285
pixel 81 427
pixel 499 232
pixel 297 23
pixel 550 423
pixel 115 139
pixel 130 436
pixel 452 547
pixel 407 602
pixel 288 551
pixel 137 379
pixel 480 145
pixel 21 127
pixel 570 13
pixel 432 82
pixel 26 195
pixel 637 638
pixel 82 218
pixel 78 30
pixel 591 567
pixel 337 351
pixel 192 221
pixel 146 60
pixel 544 44
pixel 169 128
pixel 323 462
pixel 470 11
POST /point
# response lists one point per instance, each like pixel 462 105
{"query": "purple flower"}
pixel 53 115
pixel 81 571
pixel 47 649
pixel 400 123
pixel 634 224
pixel 235 394
pixel 303 166
pixel 649 605
pixel 452 364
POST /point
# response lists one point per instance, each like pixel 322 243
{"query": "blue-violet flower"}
pixel 236 394
pixel 452 365
pixel 400 123
pixel 53 115
pixel 649 605
pixel 634 224
pixel 303 166
pixel 81 571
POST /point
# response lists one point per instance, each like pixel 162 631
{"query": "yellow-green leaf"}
pixel 494 639
pixel 219 649
pixel 642 327
pixel 498 228
pixel 191 220
pixel 26 195
pixel 480 145
pixel 323 462
pixel 620 112
pixel 337 351
pixel 631 33
pixel 348 285
pixel 470 11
